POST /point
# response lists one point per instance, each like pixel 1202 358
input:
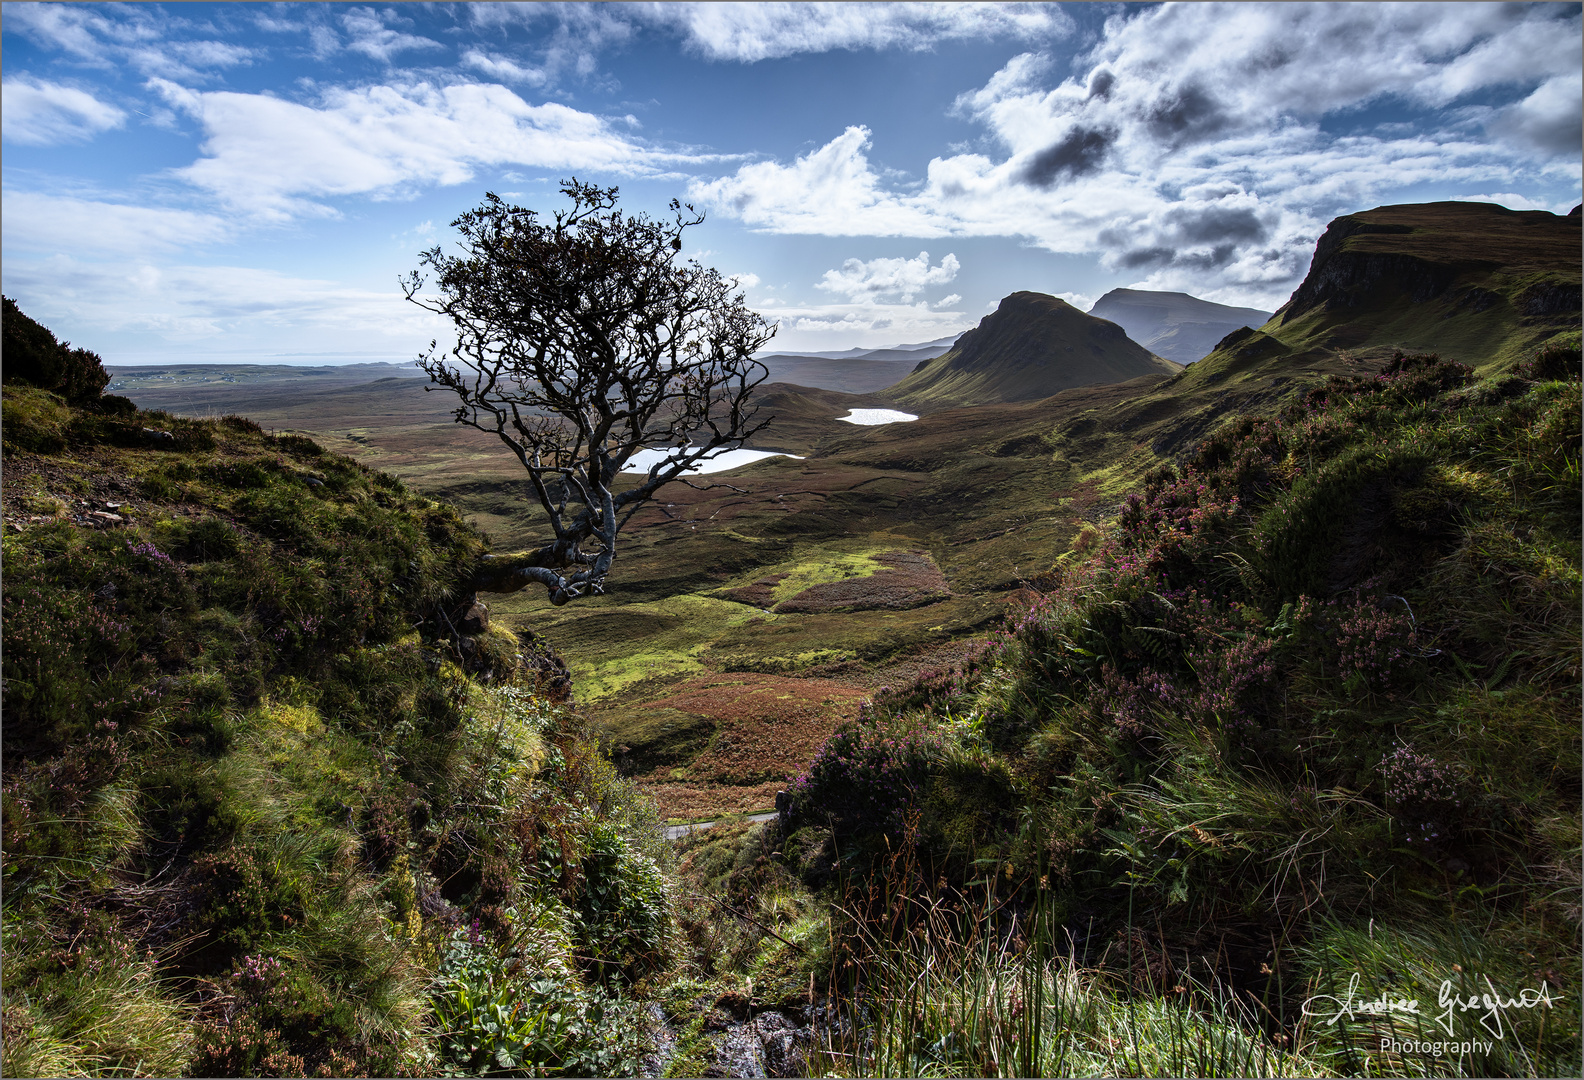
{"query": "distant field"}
pixel 982 517
pixel 883 552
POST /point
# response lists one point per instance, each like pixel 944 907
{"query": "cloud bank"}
pixel 1204 146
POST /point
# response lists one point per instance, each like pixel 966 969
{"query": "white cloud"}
pixel 1548 121
pixel 39 113
pixel 1081 301
pixel 871 325
pixel 901 278
pixel 1514 201
pixel 211 307
pixel 372 35
pixel 567 37
pixel 503 68
pixel 747 32
pixel 1189 145
pixel 744 282
pixel 72 28
pixel 147 39
pixel 46 224
pixel 947 301
pixel 831 191
pixel 570 37
pixel 271 157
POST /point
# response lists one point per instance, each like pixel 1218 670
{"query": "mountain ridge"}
pixel 1032 346
pixel 1174 325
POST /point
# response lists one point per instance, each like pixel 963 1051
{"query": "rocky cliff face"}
pixel 1418 253
pixel 1475 282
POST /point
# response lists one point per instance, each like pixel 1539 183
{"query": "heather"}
pixel 267 809
pixel 1308 706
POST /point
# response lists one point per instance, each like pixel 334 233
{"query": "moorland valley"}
pixel 1206 651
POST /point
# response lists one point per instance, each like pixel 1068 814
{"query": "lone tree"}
pixel 580 341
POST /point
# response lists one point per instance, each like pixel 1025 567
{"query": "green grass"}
pixel 1308 704
pixel 251 791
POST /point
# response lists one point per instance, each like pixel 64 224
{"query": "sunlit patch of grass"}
pixel 105 1012
pixel 940 998
pixel 823 568
pixel 613 647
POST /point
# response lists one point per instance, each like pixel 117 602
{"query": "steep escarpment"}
pixel 1473 281
pixel 1031 347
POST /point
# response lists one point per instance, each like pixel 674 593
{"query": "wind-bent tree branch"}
pixel 580 341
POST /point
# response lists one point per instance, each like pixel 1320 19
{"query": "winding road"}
pixel 673 832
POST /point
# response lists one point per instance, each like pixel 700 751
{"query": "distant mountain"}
pixel 855 371
pixel 939 345
pixel 861 376
pixel 1032 346
pixel 1173 324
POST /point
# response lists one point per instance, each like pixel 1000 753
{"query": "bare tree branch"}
pixel 580 341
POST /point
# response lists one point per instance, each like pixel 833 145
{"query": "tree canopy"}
pixel 583 338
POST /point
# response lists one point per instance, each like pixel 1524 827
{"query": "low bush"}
pixel 1319 676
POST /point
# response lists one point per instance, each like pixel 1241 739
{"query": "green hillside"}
pixel 1306 711
pixel 1475 282
pixel 1031 347
pixel 277 800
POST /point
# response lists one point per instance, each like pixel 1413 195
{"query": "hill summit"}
pixel 1030 347
pixel 1180 327
pixel 1474 282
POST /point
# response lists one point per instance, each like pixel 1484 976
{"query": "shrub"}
pixel 624 908
pixel 35 358
pixel 496 1017
pixel 867 775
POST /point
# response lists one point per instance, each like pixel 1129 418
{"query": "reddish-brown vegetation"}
pixel 769 728
pixel 910 579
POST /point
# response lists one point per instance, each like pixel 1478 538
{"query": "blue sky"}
pixel 243 182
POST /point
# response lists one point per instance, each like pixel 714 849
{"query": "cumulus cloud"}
pixel 40 113
pixel 902 278
pixel 1204 146
pixel 831 191
pixel 747 32
pixel 1549 121
pixel 274 158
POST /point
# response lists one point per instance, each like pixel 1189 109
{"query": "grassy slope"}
pixel 1474 282
pixel 1309 709
pixel 1032 346
pixel 258 819
pixel 995 493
